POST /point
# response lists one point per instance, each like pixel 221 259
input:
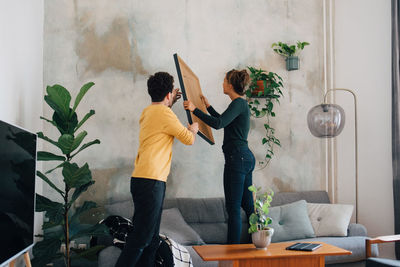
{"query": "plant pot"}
pixel 259 88
pixel 262 238
pixel 292 63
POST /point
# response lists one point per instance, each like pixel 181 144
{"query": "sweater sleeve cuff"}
pixel 197 112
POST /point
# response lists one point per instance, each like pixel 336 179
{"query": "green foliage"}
pixel 63 225
pixel 273 85
pixel 258 220
pixel 288 50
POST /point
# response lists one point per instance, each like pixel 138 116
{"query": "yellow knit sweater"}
pixel 158 127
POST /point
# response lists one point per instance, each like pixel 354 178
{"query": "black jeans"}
pixel 142 242
pixel 239 166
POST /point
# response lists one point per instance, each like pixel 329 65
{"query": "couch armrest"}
pixel 356 229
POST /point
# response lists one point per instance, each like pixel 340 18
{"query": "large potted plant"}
pixel 259 221
pixel 271 92
pixel 63 222
pixel 290 52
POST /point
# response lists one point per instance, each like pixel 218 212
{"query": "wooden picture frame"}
pixel 191 90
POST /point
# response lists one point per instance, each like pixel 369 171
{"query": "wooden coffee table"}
pixel 246 255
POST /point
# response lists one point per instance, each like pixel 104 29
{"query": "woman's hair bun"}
pixel 239 80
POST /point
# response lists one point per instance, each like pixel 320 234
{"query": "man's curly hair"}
pixel 159 85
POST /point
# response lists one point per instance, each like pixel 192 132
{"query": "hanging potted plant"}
pixel 271 92
pixel 259 222
pixel 290 52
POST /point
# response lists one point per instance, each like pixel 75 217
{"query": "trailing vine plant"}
pixel 273 85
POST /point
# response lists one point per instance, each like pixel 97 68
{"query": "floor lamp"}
pixel 327 121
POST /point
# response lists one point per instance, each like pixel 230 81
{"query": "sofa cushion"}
pixel 174 226
pixel 329 219
pixel 108 256
pixel 199 210
pixel 290 222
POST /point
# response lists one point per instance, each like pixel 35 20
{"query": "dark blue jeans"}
pixel 142 243
pixel 239 166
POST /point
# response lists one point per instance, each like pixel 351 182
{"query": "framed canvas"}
pixel 191 90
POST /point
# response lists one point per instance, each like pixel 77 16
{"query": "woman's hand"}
pixel 205 101
pixel 188 105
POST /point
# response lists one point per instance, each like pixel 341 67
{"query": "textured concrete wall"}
pixel 118 44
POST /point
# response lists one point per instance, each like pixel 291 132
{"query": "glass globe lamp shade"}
pixel 326 120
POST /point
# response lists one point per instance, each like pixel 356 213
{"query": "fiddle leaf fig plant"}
pixel 62 224
pixel 273 85
pixel 259 220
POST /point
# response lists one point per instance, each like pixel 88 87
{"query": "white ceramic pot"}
pixel 262 238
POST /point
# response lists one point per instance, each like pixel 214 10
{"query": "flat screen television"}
pixel 17 191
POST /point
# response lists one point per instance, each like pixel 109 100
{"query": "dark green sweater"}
pixel 235 120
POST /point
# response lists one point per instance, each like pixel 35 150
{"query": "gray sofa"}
pixel 208 219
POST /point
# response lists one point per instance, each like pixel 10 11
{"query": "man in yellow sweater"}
pixel 158 128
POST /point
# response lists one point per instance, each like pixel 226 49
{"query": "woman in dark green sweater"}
pixel 239 160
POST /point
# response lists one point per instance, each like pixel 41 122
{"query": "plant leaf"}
pixel 49 224
pixel 81 94
pixel 65 143
pixel 87 205
pixel 85 118
pixel 52 122
pixel 51 170
pixel 58 99
pixel 54 210
pixel 47 156
pixel 45 251
pixel 253 229
pixel 78 140
pixel 252 188
pixel 78 191
pixel 47 180
pixel 264 140
pixel 68 143
pixel 265 208
pixel 66 126
pixel 253 219
pixel 93 230
pixel 74 176
pixel 42 136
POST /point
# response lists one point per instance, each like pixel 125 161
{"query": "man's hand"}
pixel 205 101
pixel 175 95
pixel 194 127
pixel 188 105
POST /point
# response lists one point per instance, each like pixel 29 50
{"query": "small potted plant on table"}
pixel 259 229
pixel 290 52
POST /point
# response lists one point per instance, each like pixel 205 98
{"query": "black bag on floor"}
pixel 120 227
